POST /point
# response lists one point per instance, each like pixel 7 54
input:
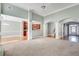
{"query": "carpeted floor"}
pixel 42 47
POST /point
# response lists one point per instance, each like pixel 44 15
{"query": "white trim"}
pixel 37 37
pixel 62 9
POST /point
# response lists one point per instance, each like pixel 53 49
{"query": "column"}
pixel 29 24
pixel 57 30
pixel 62 30
pixel 1 49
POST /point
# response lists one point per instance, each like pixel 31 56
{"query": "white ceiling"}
pixel 50 7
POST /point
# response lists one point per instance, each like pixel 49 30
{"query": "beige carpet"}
pixel 42 47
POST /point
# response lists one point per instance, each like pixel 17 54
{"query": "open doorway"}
pixel 71 31
pixel 13 29
pixel 10 31
pixel 51 29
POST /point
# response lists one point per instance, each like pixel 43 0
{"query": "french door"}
pixel 73 28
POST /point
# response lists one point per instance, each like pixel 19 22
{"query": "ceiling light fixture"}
pixel 43 6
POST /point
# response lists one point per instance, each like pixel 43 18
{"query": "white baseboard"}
pixel 37 37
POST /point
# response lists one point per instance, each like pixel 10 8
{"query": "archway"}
pixel 70 29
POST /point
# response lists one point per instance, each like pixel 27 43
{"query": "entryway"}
pixel 71 31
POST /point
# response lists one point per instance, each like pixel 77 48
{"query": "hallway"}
pixel 72 31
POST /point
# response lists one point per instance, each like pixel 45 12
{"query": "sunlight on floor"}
pixel 73 38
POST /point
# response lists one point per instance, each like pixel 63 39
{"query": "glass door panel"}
pixel 73 29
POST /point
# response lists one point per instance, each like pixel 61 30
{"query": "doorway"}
pixel 51 29
pixel 13 29
pixel 71 31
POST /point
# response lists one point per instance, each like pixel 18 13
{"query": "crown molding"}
pixel 61 9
